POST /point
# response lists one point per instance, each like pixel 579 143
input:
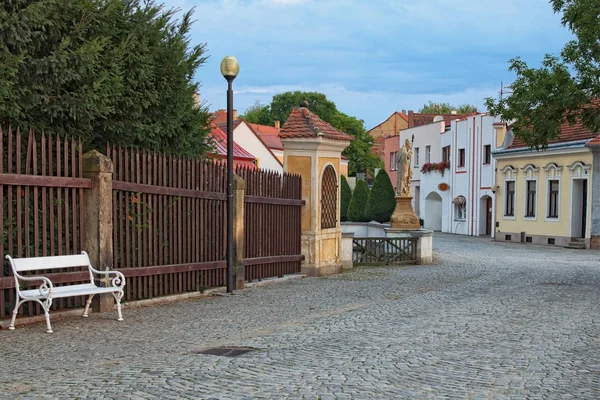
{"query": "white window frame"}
pixel 510 175
pixel 392 161
pixel 460 212
pixel 553 173
pixel 530 173
pixel 416 156
pixel 427 154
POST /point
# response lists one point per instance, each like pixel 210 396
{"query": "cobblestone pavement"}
pixel 486 320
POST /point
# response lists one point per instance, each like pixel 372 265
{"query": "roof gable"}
pixel 219 138
pixel 304 123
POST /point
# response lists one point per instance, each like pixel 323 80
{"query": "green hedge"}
pixel 382 200
pixel 346 197
pixel 357 207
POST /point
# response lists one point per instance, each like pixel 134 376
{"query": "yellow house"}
pixel 544 197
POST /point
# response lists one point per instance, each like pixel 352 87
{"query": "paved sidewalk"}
pixel 487 320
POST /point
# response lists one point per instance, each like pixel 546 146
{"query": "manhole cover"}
pixel 226 351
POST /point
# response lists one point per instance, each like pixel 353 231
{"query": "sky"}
pixel 370 57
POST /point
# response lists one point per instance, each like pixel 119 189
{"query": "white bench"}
pixel 46 292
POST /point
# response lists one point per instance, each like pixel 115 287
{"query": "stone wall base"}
pixel 516 237
pixel 595 243
pixel 322 270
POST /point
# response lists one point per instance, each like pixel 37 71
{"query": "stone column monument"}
pixel 404 217
pixel 312 148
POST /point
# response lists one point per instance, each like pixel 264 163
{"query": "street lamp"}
pixel 230 68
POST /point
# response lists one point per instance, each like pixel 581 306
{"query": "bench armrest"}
pixel 117 281
pixel 46 286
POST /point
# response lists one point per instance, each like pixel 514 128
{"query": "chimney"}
pixel 196 100
pixel 276 124
pixel 453 112
pixel 411 119
pixel 234 115
pixel 404 112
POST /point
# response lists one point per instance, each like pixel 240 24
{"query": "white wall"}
pixel 244 137
pixel 473 181
pixel 426 135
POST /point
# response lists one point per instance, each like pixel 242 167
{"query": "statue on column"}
pixel 403 186
pixel 404 217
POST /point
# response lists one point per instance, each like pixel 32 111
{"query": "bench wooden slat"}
pixel 55 262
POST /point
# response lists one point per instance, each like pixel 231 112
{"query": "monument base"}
pixel 424 239
pixel 404 217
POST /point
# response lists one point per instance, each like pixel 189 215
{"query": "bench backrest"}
pixel 46 263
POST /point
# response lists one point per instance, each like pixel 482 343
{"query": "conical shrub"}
pixel 381 202
pixel 346 197
pixel 358 203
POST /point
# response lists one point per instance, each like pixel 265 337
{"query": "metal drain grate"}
pixel 226 351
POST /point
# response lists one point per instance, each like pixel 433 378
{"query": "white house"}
pixel 457 196
pixel 254 143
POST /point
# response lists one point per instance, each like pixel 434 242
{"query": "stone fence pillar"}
pixel 239 189
pixel 98 219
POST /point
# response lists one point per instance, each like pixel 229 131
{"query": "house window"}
pixel 446 154
pixel 530 206
pixel 461 157
pixel 553 199
pixel 416 156
pixel 392 161
pixel 509 206
pixel 487 154
pixel 460 212
pixel 427 154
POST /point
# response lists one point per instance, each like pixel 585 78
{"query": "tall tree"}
pixel 446 108
pixel 359 151
pixel 258 114
pixel 118 70
pixel 564 88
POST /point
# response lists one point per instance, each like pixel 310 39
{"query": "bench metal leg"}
pixel 118 296
pixel 14 315
pixel 46 304
pixel 87 305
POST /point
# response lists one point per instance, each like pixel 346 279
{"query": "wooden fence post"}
pixel 239 189
pixel 98 219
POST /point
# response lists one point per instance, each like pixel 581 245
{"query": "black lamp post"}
pixel 230 68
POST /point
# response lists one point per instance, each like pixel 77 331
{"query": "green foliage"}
pixel 345 200
pixel 563 87
pixel 283 104
pixel 258 114
pixel 382 202
pixel 446 108
pixel 359 150
pixel 116 70
pixel 357 207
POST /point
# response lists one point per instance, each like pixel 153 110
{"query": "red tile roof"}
pixel 568 133
pixel 219 138
pixel 425 119
pixel 594 142
pixel 303 123
pixel 269 135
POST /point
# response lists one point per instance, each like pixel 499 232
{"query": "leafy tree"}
pixel 345 200
pixel 117 70
pixel 563 88
pixel 382 202
pixel 283 104
pixel 446 108
pixel 359 150
pixel 357 207
pixel 258 114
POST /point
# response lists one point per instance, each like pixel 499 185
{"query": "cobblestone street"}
pixel 486 320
